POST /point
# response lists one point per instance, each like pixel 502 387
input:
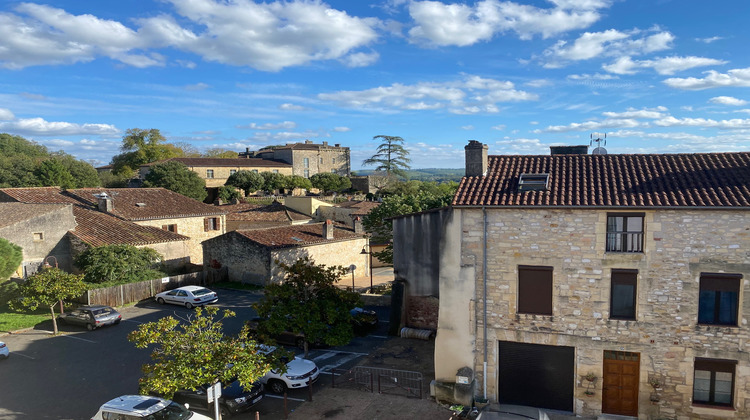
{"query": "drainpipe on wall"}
pixel 484 301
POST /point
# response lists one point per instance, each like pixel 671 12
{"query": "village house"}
pixel 308 158
pixel 614 284
pixel 70 226
pixel 249 255
pixel 248 216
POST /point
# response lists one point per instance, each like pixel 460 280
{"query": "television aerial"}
pixel 600 143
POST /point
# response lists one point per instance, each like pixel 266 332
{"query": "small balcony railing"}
pixel 624 241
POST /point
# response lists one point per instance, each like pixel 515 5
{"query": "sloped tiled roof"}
pixel 147 203
pixel 274 212
pixel 361 207
pixel 97 229
pixel 297 235
pixel 46 195
pixel 302 146
pixel 637 181
pixel 218 162
pixel 12 213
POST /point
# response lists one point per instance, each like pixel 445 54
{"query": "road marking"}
pixel 15 353
pixel 340 362
pixel 77 338
pixel 281 397
pixel 326 355
pixel 343 352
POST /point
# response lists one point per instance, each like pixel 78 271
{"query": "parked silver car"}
pixel 188 296
pixel 92 316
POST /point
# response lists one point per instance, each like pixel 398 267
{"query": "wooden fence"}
pixel 133 292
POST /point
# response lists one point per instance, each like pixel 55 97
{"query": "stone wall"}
pixel 192 227
pixel 343 253
pixel 678 246
pixel 422 312
pixel 245 261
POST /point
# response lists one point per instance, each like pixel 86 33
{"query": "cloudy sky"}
pixel 656 76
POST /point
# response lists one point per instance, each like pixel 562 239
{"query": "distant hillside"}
pixel 428 174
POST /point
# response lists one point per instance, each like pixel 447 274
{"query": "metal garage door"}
pixel 536 375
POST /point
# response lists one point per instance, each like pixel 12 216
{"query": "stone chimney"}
pixel 358 229
pixel 105 203
pixel 476 158
pixel 328 229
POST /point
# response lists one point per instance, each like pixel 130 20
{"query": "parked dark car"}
pixel 363 320
pixel 234 398
pixel 92 316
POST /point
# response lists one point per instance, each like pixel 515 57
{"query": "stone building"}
pixel 248 216
pixel 614 284
pixel 249 256
pixel 308 158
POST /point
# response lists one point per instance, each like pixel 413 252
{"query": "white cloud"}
pixel 610 43
pixel 270 126
pixel 713 79
pixel 467 127
pixel 341 129
pixel 360 59
pixel 709 40
pixel 539 83
pixel 591 125
pixel 652 113
pixel 471 95
pixel 703 122
pixel 728 100
pixel 265 36
pixel 499 127
pixel 291 107
pixel 595 76
pixel 6 115
pixel 665 65
pixel 461 24
pixel 40 127
pixel 197 86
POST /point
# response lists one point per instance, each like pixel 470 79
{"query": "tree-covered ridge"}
pixel 24 163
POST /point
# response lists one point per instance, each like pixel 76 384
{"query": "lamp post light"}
pixel 368 250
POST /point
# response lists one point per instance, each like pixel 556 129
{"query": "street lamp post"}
pixel 368 250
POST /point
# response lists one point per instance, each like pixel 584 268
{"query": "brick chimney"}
pixel 358 229
pixel 105 203
pixel 328 229
pixel 476 158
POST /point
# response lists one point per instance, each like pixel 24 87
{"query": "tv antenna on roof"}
pixel 600 143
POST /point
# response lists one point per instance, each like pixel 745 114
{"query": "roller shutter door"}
pixel 536 375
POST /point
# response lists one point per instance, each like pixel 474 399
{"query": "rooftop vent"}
pixel 140 204
pixel 533 182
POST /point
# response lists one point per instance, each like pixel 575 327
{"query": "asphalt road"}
pixel 70 375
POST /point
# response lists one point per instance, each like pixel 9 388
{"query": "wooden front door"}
pixel 620 383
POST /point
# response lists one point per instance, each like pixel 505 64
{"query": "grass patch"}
pixel 11 320
pixel 238 286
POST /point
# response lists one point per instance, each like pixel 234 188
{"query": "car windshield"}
pixel 102 311
pixel 201 292
pixel 173 411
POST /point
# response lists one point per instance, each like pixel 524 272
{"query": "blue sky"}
pixel 657 76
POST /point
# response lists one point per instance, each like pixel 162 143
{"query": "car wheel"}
pixel 188 305
pixel 118 321
pixel 224 412
pixel 300 343
pixel 90 327
pixel 160 301
pixel 277 386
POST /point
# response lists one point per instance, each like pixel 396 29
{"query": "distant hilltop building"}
pixel 308 158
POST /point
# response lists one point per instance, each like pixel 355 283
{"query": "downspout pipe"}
pixel 484 300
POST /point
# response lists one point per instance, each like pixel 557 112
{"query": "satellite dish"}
pixel 599 151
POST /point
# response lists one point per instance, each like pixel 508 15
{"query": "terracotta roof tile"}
pixel 46 195
pixel 297 235
pixel 97 229
pixel 218 162
pixel 146 203
pixel 362 207
pixel 12 213
pixel 274 212
pixel 640 181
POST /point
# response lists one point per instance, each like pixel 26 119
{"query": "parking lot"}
pixel 70 375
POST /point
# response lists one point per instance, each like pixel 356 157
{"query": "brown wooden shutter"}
pixel 535 290
pixel 205 224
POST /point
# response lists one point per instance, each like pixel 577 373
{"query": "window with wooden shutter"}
pixel 535 290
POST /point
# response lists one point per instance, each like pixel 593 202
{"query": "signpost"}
pixel 213 393
pixel 352 268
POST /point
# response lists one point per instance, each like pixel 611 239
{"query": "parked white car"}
pixel 299 373
pixel 188 296
pixel 4 351
pixel 145 406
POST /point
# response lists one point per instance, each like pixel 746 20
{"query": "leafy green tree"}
pixel 111 180
pixel 119 264
pixel 330 182
pixel 228 193
pixel 273 181
pixel 391 156
pixel 84 174
pixel 11 256
pixel 141 146
pixel 296 181
pixel 307 301
pixel 52 173
pixel 220 153
pixel 48 287
pixel 11 145
pixel 247 181
pixel 18 171
pixel 380 228
pixel 175 176
pixel 187 355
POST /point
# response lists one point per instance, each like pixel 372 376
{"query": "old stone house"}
pixel 40 230
pixel 249 255
pixel 308 158
pixel 59 235
pixel 248 216
pixel 613 284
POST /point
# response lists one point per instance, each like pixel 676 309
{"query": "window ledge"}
pixel 715 410
pixel 718 327
pixel 520 316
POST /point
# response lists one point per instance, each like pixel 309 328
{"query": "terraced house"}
pixel 613 284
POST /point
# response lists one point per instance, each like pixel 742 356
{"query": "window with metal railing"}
pixel 625 232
